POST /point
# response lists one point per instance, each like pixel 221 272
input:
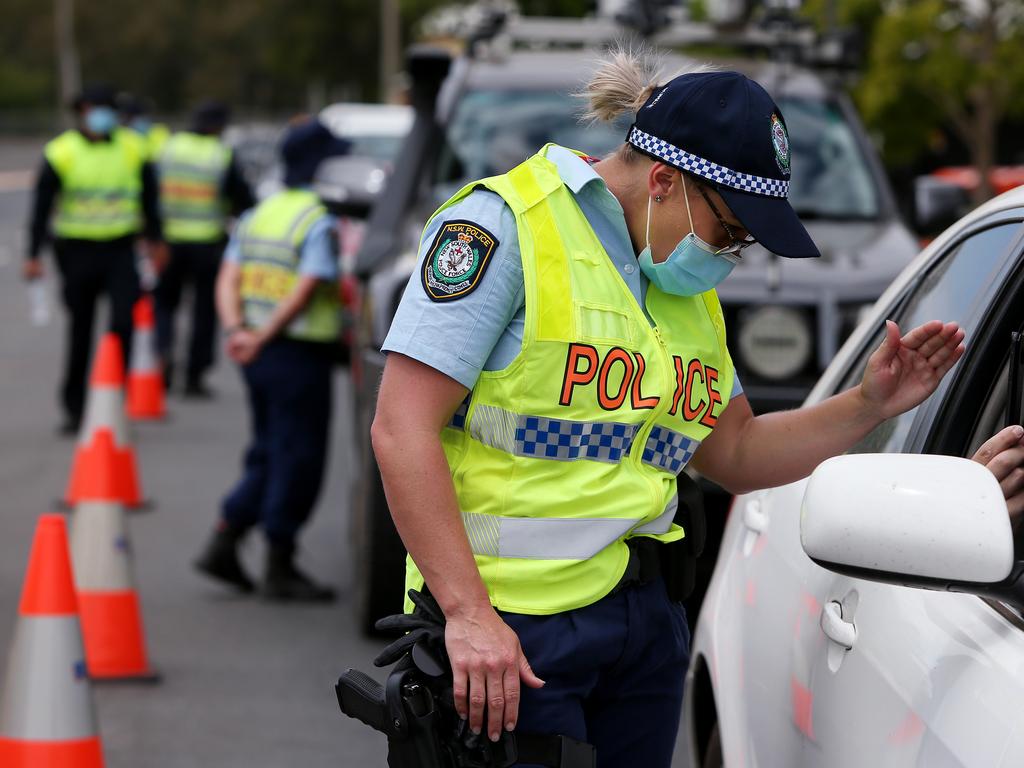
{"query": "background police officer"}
pixel 277 296
pixel 573 302
pixel 135 114
pixel 105 194
pixel 200 185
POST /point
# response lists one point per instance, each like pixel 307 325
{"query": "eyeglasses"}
pixel 736 244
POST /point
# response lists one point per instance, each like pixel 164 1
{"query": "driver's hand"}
pixel 487 666
pixel 1003 454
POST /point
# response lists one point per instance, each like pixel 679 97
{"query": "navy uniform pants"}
pixel 289 389
pixel 88 270
pixel 614 675
pixel 195 263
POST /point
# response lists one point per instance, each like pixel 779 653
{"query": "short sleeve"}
pixel 232 252
pixel 455 334
pixel 318 255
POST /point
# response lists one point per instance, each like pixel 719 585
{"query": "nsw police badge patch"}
pixel 456 260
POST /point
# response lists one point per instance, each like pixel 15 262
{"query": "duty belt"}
pixel 644 564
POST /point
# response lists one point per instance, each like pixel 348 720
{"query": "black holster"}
pixel 679 558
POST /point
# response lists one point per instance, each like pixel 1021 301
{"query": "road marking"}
pixel 12 181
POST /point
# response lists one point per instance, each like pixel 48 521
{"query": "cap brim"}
pixel 338 146
pixel 772 221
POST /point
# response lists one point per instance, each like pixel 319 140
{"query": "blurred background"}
pixel 903 116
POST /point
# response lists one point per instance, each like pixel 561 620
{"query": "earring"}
pixel 657 198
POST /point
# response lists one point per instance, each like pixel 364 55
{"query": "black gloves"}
pixel 424 626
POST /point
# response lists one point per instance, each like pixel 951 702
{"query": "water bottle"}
pixel 38 303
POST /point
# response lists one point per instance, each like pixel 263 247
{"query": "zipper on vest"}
pixel 664 402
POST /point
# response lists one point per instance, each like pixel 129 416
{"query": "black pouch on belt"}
pixel 679 558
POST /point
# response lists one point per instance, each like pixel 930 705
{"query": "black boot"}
pixel 220 558
pixel 287 583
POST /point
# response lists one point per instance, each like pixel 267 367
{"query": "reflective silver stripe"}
pixel 546 438
pixel 669 450
pixel 495 427
pixel 543 538
pixel 104 409
pixel 47 695
pixel 663 522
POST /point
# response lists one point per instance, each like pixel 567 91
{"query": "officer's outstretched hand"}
pixel 905 370
pixel 487 666
pixel 1003 454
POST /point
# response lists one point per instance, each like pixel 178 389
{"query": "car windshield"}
pixel 377 146
pixel 492 131
pixel 831 177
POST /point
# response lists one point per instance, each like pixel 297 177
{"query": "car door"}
pixel 901 676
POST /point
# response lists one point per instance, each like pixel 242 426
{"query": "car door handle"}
pixel 836 628
pixel 753 517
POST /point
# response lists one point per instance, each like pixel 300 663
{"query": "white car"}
pixel 795 664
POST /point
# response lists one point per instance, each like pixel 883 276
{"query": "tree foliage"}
pixel 938 67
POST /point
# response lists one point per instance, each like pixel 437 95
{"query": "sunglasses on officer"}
pixel 735 244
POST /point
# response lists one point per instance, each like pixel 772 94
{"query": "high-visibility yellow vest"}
pixel 156 138
pixel 269 243
pixel 100 185
pixel 192 168
pixel 575 446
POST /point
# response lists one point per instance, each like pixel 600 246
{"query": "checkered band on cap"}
pixel 698 166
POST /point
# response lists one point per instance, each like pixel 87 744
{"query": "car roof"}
pixel 354 119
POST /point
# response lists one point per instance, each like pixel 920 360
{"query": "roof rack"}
pixel 491 27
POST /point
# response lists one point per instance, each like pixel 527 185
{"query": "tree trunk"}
pixel 67 55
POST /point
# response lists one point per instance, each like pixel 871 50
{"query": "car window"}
pixel 946 292
pixel 493 131
pixel 831 177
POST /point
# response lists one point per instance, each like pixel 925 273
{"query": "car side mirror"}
pixel 933 522
pixel 938 204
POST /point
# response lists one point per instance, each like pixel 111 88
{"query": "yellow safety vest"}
pixel 156 138
pixel 100 185
pixel 575 446
pixel 192 168
pixel 269 242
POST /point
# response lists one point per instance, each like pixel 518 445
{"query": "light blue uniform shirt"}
pixel 318 253
pixel 483 331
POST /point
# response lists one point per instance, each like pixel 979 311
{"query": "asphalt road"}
pixel 245 683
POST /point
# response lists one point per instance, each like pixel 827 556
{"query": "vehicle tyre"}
pixel 713 750
pixel 377 552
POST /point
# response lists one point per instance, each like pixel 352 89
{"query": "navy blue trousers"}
pixel 289 388
pixel 614 675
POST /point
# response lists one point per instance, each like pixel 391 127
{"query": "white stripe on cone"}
pixel 143 352
pixel 47 696
pixel 104 407
pixel 101 552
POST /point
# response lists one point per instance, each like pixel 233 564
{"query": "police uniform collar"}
pixel 572 169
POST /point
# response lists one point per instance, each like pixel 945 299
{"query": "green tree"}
pixel 956 64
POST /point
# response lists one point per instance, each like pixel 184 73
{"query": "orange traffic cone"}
pixel 47 716
pixel 115 644
pixel 145 381
pixel 104 466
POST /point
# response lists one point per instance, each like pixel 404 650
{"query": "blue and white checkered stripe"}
pixel 546 438
pixel 570 440
pixel 669 450
pixel 458 420
pixel 706 169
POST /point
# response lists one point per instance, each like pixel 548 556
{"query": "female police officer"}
pixel 573 301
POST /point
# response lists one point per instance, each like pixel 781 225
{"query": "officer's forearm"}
pixel 422 500
pixel 286 311
pixel 746 453
pixel 229 307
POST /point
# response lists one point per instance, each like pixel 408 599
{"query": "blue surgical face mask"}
pixel 693 267
pixel 100 120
